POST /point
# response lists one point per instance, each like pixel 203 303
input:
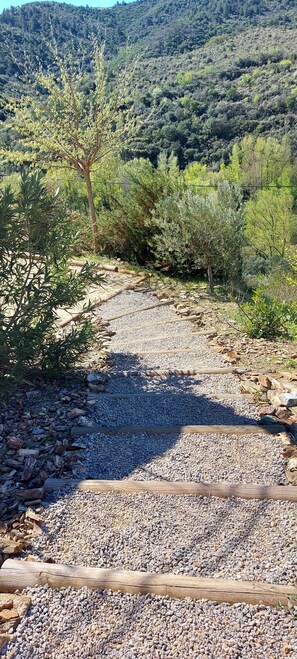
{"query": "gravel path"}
pixel 234 538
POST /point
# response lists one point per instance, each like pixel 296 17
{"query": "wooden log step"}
pixel 80 431
pixel 220 490
pixel 168 394
pixel 178 319
pixel 173 351
pixel 160 337
pixel 17 575
pixel 145 307
pixel 176 372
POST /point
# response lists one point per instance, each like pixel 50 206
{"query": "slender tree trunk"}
pixel 92 211
pixel 210 278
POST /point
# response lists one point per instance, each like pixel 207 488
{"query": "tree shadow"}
pixel 178 402
pixel 140 456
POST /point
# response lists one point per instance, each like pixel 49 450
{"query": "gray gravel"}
pixel 124 359
pixel 161 410
pixel 134 626
pixel 173 329
pixel 187 535
pixel 210 458
pixel 208 384
pixel 231 538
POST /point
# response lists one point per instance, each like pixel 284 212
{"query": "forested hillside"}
pixel 215 69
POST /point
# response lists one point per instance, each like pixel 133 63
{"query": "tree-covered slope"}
pixel 159 27
pixel 213 96
pixel 216 69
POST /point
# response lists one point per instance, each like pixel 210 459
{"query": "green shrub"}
pixel 125 218
pixel 35 281
pixel 267 318
pixel 200 232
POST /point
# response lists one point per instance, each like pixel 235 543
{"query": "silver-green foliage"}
pixel 200 232
pixel 35 281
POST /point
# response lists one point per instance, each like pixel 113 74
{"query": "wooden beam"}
pixel 80 431
pixel 173 351
pixel 167 394
pixel 145 307
pixel 17 575
pixel 220 490
pixel 160 337
pixel 157 373
pixel 180 319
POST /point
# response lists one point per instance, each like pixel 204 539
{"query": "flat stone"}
pixel 267 409
pixel 24 452
pixel 98 378
pixel 73 414
pixel 288 399
pixel 268 419
pixel 264 382
pixel 96 387
pixel 85 422
pixel 15 442
pixel 248 387
pixel 38 432
pixel 8 614
pixel 291 471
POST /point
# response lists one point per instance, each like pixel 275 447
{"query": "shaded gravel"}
pixel 191 409
pixel 210 458
pixel 181 360
pixel 191 384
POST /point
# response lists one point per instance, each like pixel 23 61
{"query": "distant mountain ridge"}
pixel 198 56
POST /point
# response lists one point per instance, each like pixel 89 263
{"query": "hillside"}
pixel 217 69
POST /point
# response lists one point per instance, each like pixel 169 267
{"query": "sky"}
pixel 6 4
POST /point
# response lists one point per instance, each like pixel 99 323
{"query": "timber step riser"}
pixel 17 575
pixel 79 431
pixel 151 373
pixel 177 488
pixel 174 394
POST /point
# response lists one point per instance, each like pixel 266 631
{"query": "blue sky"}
pixel 6 4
